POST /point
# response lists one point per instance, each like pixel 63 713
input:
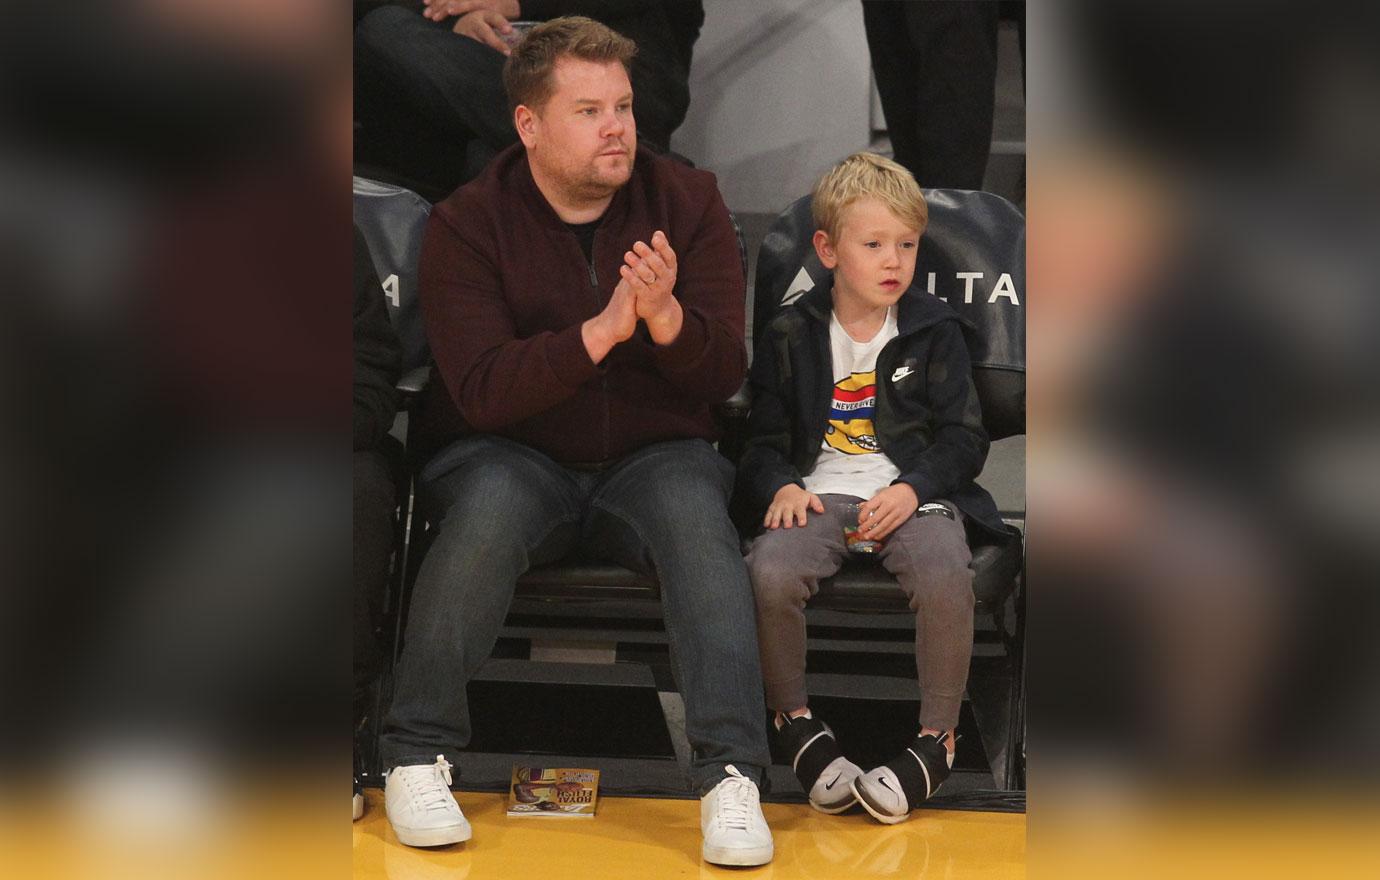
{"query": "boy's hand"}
pixel 884 512
pixel 789 505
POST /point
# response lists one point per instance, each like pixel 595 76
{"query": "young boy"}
pixel 863 394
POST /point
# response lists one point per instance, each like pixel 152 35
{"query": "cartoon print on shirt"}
pixel 850 429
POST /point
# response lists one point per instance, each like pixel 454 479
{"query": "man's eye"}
pixel 588 111
pixel 624 108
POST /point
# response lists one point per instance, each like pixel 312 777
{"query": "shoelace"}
pixel 430 785
pixel 735 801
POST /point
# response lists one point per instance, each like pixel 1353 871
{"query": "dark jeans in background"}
pixel 936 69
pixel 430 102
pixel 375 502
pixel 500 508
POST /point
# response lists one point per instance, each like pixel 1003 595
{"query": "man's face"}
pixel 873 257
pixel 583 137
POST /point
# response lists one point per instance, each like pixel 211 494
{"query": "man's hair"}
pixel 867 175
pixel 527 74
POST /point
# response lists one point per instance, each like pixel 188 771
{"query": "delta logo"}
pixel 850 429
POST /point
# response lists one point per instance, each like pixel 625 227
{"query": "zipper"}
pixel 603 377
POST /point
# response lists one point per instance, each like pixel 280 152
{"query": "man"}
pixel 584 303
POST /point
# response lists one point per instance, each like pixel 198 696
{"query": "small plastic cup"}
pixel 851 538
pixel 518 33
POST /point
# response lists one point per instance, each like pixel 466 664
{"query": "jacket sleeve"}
pixel 708 359
pixel 959 446
pixel 766 463
pixel 494 377
pixel 378 354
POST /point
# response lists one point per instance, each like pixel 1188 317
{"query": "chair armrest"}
pixel 414 383
pixel 736 407
pixel 732 417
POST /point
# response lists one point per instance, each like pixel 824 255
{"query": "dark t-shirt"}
pixel 585 233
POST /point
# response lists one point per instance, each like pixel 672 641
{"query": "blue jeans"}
pixel 500 508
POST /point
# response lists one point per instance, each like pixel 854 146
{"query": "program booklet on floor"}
pixel 553 791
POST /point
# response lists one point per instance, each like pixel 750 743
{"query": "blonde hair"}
pixel 867 175
pixel 527 74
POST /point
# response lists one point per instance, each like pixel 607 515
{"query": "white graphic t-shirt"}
pixel 851 463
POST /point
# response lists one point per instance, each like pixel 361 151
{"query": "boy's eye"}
pixel 872 244
pixel 909 244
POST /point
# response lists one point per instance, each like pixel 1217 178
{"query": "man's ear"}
pixel 824 249
pixel 525 121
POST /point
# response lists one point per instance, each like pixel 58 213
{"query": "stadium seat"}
pixel 392 220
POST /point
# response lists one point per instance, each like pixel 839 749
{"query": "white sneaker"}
pixel 735 831
pixel 421 808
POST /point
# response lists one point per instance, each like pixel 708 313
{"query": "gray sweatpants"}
pixel 929 557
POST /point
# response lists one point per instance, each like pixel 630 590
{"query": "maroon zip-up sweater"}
pixel 505 286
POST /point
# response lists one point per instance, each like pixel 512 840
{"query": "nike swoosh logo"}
pixel 831 785
pixel 901 373
pixel 885 784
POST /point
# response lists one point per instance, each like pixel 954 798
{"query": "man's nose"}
pixel 613 126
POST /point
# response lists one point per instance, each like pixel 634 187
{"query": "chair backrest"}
pixel 392 220
pixel 972 256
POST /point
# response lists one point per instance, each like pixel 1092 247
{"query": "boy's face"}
pixel 873 258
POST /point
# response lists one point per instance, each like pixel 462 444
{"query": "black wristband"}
pixel 934 508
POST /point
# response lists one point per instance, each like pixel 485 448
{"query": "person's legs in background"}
pixel 423 96
pixel 375 503
pixel 936 66
pixel 374 509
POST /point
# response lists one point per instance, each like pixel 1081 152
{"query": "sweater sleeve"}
pixel 960 443
pixel 378 354
pixel 766 463
pixel 708 359
pixel 494 377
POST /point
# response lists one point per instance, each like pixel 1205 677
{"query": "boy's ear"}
pixel 824 249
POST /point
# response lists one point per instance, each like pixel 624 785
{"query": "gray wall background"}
pixel 779 91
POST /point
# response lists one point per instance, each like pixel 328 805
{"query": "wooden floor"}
pixel 650 838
